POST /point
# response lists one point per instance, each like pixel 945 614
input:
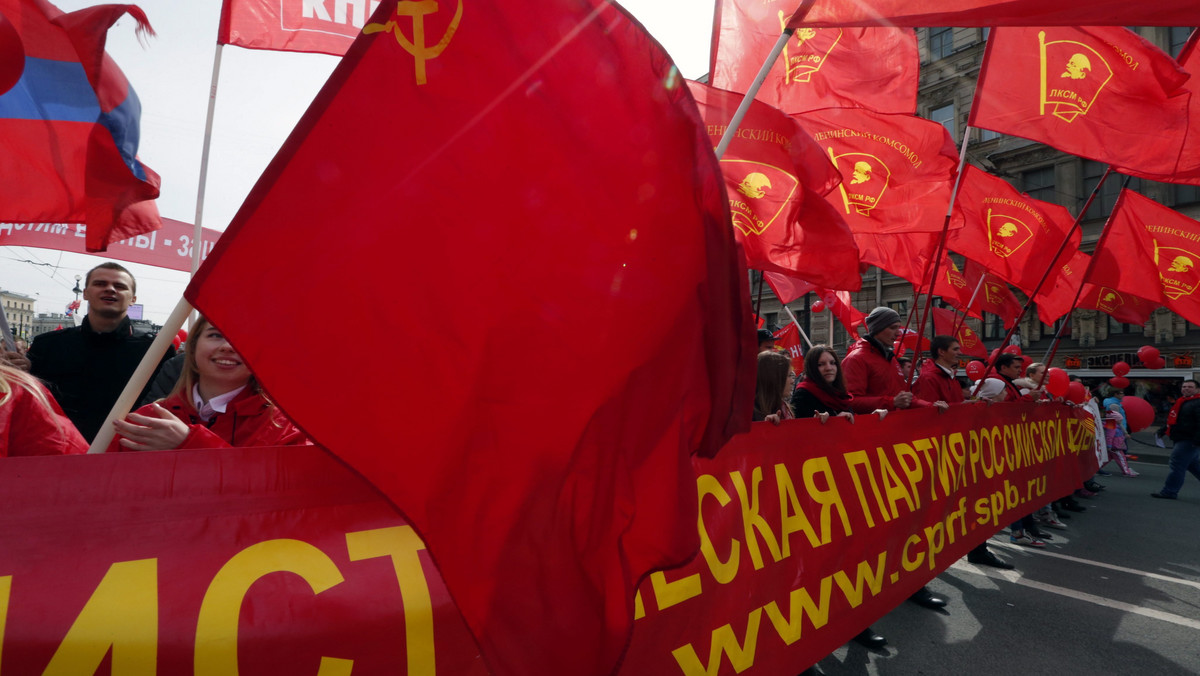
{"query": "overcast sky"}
pixel 260 97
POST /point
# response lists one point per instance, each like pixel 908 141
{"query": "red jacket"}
pixel 248 420
pixel 29 428
pixel 935 385
pixel 873 378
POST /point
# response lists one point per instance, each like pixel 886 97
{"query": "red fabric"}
pixel 872 68
pixel 776 177
pixel 164 248
pixel 1174 413
pixel 952 286
pixel 897 170
pixel 1007 232
pixel 1121 306
pixel 903 255
pixel 934 384
pixel 1187 169
pixel 28 427
pixel 1150 251
pixel 994 295
pixel 301 26
pixel 787 288
pixel 944 322
pixel 602 267
pixel 873 380
pixel 1123 105
pixel 248 420
pixel 788 340
pixel 839 304
pixel 1001 13
pixel 1060 289
pixel 70 126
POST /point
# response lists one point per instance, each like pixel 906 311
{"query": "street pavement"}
pixel 1118 592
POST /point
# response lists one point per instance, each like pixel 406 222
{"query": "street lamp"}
pixel 77 290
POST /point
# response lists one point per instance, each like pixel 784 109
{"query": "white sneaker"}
pixel 1051 521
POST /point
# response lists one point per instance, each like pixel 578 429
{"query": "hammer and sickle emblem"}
pixel 420 52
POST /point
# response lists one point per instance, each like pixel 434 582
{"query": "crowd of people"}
pixel 56 395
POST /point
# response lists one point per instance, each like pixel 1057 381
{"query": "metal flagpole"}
pixel 967 309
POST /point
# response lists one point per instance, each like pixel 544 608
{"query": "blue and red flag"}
pixel 70 126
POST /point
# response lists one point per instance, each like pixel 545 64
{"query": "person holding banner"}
pixel 775 383
pixel 823 392
pixel 31 422
pixel 216 403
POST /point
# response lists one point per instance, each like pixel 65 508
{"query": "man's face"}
pixel 109 293
pixel 1013 370
pixel 949 356
pixel 888 336
pixel 1188 389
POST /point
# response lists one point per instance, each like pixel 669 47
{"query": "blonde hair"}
pixel 190 374
pixel 12 377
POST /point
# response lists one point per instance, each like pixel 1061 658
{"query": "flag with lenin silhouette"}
pixel 544 456
pixel 944 323
pixel 777 178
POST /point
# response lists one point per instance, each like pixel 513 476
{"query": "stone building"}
pixel 18 309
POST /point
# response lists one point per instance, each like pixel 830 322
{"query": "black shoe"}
pixel 1163 496
pixel 925 598
pixel 988 559
pixel 1072 506
pixel 867 638
pixel 1094 486
pixel 1103 473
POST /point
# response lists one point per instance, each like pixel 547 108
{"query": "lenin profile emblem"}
pixel 994 293
pixel 967 337
pixel 806 53
pixel 864 180
pixel 955 277
pixel 1109 300
pixel 759 194
pixel 1072 76
pixel 1006 233
pixel 1176 270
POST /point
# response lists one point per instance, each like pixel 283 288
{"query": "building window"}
pixel 1039 183
pixel 944 115
pixel 941 43
pixel 1116 328
pixel 986 32
pixel 900 306
pixel 992 326
pixel 1185 194
pixel 1103 204
pixel 988 135
pixel 1177 37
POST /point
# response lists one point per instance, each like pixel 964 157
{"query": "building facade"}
pixel 18 309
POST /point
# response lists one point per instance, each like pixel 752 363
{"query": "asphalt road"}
pixel 1118 592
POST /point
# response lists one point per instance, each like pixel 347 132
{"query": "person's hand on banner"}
pixel 903 400
pixel 161 433
pixel 941 406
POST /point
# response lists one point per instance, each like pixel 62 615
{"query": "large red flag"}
pixel 951 285
pixel 1104 93
pixel 1061 287
pixel 1001 13
pixel 776 176
pixel 1151 252
pixel 495 160
pixel 787 288
pixel 874 68
pixel 945 320
pixel 839 303
pixel 994 295
pixel 1187 169
pixel 312 26
pixel 903 255
pixel 1006 231
pixel 70 126
pixel 897 170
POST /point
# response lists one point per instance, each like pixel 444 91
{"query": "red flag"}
pixel 309 25
pixel 788 340
pixel 1002 13
pixel 839 303
pixel 872 68
pixel 994 295
pixel 1187 170
pixel 1007 232
pixel 70 126
pixel 944 322
pixel 897 170
pixel 1057 294
pixel 903 255
pixel 583 246
pixel 951 285
pixel 1102 93
pixel 1151 252
pixel 786 288
pixel 776 175
pixel 1122 306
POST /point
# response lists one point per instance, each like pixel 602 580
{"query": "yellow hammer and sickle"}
pixel 417 9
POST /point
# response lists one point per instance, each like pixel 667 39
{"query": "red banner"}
pixel 788 340
pixel 1000 13
pixel 169 247
pixel 322 26
pixel 281 560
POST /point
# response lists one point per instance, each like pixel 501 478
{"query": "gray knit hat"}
pixel 881 318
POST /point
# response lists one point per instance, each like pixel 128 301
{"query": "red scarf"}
pixel 832 400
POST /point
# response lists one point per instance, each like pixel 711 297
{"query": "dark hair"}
pixel 1189 380
pixel 773 369
pixel 109 265
pixel 813 374
pixel 903 360
pixel 940 343
pixel 1005 360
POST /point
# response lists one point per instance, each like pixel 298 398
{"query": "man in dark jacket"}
pixel 1183 426
pixel 87 366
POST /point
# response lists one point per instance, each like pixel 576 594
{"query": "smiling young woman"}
pixel 216 403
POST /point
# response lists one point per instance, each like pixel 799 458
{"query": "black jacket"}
pixel 86 370
pixel 1187 425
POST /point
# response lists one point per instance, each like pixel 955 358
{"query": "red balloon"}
pixel 1026 360
pixel 1012 349
pixel 1147 353
pixel 1139 414
pixel 992 357
pixel 182 335
pixel 1057 381
pixel 1119 382
pixel 12 55
pixel 176 342
pixel 1077 392
pixel 818 306
pixel 1120 369
pixel 975 370
pixel 1157 363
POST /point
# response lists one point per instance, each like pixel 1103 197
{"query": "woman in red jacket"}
pixel 216 403
pixel 31 423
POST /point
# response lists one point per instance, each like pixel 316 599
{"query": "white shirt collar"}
pixel 209 410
